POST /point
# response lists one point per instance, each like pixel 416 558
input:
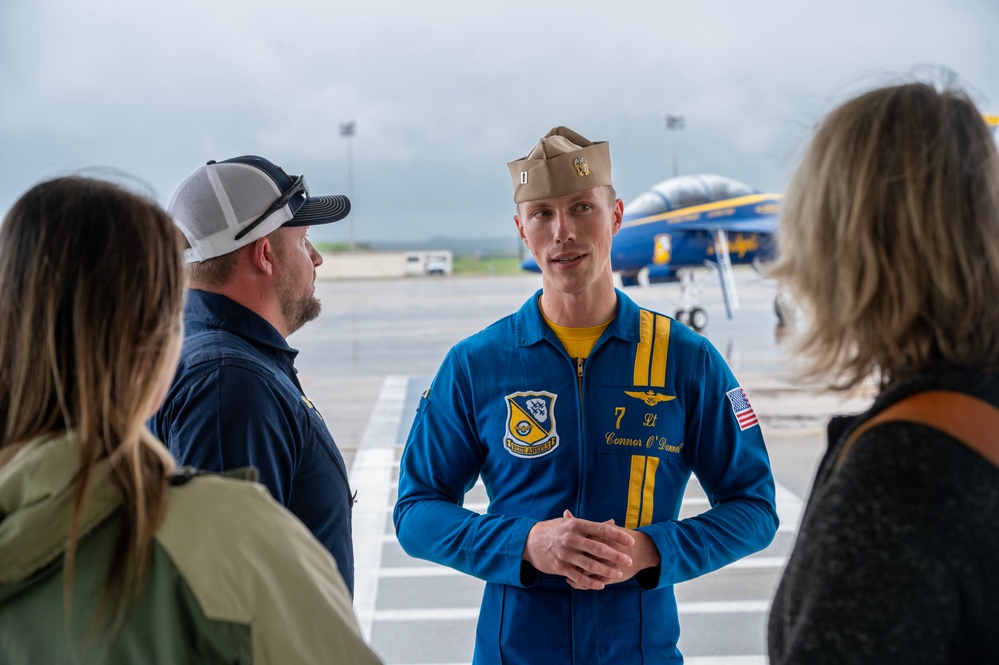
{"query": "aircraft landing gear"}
pixel 784 309
pixel 695 319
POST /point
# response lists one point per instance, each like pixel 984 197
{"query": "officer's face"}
pixel 570 237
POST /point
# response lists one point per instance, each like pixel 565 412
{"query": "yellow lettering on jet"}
pixel 740 245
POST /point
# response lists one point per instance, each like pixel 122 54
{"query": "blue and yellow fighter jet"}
pixel 689 222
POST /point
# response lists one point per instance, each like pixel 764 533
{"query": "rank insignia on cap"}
pixel 562 162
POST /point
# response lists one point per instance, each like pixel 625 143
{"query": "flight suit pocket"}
pixel 639 421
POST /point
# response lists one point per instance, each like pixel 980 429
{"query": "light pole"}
pixel 347 130
pixel 673 123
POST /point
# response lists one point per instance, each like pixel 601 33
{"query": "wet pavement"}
pixel 374 349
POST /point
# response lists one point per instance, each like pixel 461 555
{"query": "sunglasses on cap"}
pixel 296 187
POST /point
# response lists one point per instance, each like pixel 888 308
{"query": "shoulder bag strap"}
pixel 972 421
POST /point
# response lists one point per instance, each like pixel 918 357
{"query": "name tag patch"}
pixel 640 421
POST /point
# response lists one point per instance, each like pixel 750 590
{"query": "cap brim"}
pixel 321 210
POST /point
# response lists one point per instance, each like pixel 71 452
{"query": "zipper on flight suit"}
pixel 579 425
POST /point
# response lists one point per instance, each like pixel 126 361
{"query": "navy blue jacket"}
pixel 236 402
pixel 616 436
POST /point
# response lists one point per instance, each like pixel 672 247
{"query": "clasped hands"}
pixel 590 555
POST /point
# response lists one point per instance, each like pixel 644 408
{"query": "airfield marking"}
pixel 368 475
pixel 702 660
pixel 472 613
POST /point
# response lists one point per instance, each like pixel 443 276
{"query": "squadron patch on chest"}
pixel 530 424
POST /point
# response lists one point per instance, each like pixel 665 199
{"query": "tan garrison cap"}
pixel 561 163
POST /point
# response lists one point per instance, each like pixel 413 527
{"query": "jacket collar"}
pixel 206 310
pixel 36 502
pixel 531 328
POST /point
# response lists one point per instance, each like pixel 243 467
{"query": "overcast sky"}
pixel 445 92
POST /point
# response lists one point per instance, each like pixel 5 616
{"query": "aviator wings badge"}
pixel 649 397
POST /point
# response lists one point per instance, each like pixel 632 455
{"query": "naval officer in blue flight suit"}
pixel 585 415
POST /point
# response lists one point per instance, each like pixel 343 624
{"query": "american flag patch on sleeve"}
pixel 740 407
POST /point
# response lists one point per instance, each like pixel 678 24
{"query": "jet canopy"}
pixel 684 191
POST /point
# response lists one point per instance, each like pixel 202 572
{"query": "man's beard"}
pixel 298 308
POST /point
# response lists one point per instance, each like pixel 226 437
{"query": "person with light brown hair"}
pixel 889 241
pixel 108 552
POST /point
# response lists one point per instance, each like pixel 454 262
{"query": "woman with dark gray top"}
pixel 890 242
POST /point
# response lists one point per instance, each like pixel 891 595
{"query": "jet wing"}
pixel 757 213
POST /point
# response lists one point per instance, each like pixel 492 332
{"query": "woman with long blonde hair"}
pixel 890 241
pixel 107 553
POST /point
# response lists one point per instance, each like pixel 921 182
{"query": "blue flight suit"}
pixel 613 437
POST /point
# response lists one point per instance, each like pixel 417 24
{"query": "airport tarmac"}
pixel 374 349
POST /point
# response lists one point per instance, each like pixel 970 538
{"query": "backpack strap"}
pixel 972 421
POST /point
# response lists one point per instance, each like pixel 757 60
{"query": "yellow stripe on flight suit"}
pixel 650 370
pixel 635 491
pixel 658 378
pixel 649 495
pixel 643 354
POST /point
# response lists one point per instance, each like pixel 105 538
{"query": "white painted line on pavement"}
pixel 368 476
pixel 724 607
pixel 472 613
pixel 421 571
pixel 761 562
pixel 701 660
pixel 428 614
pixel 789 509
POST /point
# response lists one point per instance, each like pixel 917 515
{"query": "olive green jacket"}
pixel 233 577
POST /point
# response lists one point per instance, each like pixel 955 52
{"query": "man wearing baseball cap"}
pixel 584 414
pixel 236 401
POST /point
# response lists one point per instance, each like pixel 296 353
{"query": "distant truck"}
pixel 437 265
pixel 429 262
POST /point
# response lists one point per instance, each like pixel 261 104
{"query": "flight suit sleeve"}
pixel 440 463
pixel 729 459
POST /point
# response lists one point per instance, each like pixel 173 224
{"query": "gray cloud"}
pixel 445 92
